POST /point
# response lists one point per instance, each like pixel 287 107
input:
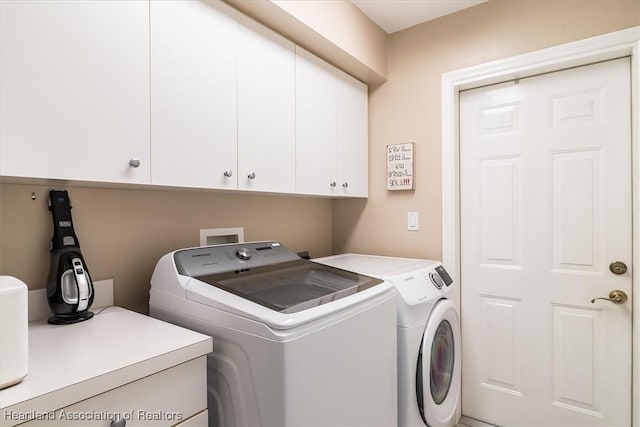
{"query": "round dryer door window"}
pixel 443 350
pixel 438 370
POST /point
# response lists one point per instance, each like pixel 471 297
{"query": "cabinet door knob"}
pixel 121 422
pixel 228 173
pixel 252 175
pixel 345 185
pixel 134 163
pixel 333 184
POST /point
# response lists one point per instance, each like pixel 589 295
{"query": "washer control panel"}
pixel 243 253
pixel 231 257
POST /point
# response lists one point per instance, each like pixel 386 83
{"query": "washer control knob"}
pixel 243 254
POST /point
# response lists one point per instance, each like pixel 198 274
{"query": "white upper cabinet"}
pixel 173 93
pixel 353 136
pixel 266 109
pixel 331 130
pixel 74 85
pixel 316 126
pixel 194 94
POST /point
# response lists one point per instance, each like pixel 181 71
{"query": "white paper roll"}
pixel 14 332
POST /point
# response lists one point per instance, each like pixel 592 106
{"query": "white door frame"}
pixel 600 48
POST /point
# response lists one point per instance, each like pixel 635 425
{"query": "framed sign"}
pixel 400 166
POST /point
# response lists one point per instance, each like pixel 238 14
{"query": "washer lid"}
pixel 292 286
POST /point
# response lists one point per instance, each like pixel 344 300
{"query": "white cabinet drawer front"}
pixel 200 420
pixel 163 399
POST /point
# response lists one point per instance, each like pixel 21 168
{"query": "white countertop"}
pixel 69 363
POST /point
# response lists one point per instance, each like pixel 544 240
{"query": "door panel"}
pixel 500 211
pixel 577 364
pixel 502 370
pixel 545 172
pixel 577 210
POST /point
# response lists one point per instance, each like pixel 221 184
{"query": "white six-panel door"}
pixel 545 173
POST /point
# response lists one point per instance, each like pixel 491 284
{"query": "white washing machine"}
pixel 428 335
pixel 295 343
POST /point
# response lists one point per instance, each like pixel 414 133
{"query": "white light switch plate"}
pixel 412 221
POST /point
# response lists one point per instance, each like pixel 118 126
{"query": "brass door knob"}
pixel 616 296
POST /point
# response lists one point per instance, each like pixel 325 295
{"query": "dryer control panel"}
pixel 419 286
pixel 439 277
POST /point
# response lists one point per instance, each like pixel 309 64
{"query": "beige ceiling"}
pixel 396 15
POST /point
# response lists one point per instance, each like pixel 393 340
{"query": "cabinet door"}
pixel 316 103
pixel 193 94
pixel 266 115
pixel 353 136
pixel 74 79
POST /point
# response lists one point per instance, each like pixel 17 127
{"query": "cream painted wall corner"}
pixel 336 31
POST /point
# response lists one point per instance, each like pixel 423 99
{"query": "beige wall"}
pixel 123 233
pixel 407 107
pixel 346 26
pixel 336 31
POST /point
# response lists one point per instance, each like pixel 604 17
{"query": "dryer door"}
pixel 438 371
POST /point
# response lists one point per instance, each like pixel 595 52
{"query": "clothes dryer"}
pixel 428 335
pixel 295 343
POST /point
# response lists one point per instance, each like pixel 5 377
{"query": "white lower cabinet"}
pixel 199 420
pixel 175 396
pixel 74 88
pixel 120 368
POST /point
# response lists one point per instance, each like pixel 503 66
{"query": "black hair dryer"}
pixel 69 287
